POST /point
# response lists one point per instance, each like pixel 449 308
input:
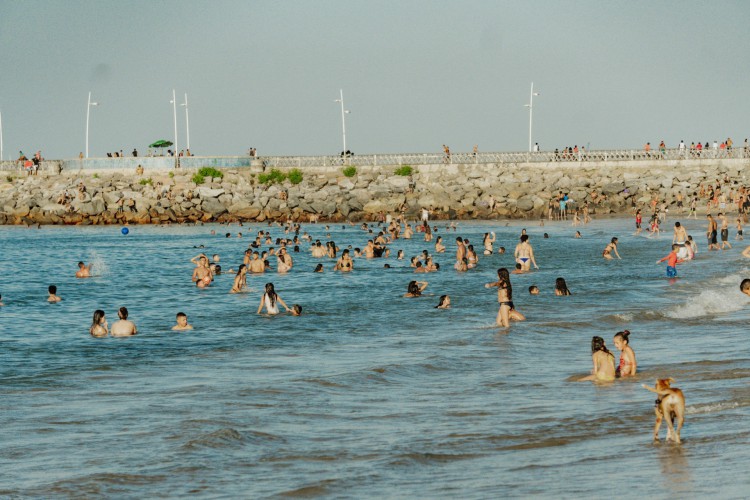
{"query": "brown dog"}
pixel 670 405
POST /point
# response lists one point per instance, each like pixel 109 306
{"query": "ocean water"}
pixel 367 394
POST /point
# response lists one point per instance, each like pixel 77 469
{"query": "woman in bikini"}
pixel 240 280
pixel 345 263
pixel 611 247
pixel 603 360
pixel 439 247
pixel 489 239
pixel 507 310
pixel 471 257
pixel 99 327
pixel 628 365
pixel 271 301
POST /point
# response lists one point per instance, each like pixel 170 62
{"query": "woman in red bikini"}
pixel 628 365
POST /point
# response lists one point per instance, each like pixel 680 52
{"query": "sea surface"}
pixel 367 394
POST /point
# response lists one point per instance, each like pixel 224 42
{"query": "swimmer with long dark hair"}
pixel 611 247
pixel 603 360
pixel 561 288
pixel 444 303
pixel 507 310
pixel 415 288
pixel 270 300
pixel 240 280
pixel 489 239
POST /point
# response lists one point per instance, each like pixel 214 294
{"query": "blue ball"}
pixel 125 230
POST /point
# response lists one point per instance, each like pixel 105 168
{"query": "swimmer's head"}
pixel 675 247
pixel 215 257
pixel 81 265
pixel 524 238
pixel 745 286
pixel 319 268
pixel 123 313
pixel 296 310
pixel 622 338
pixel 388 266
pixel 98 317
pixel 518 267
pixel 52 289
pixel 501 250
pixel 546 235
pixel 614 240
pixel 228 235
pixel 445 301
pixel 676 224
pixel 533 290
pixel 181 318
pixel 597 344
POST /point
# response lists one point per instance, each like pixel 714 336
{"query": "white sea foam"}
pixel 100 267
pixel 694 410
pixel 710 302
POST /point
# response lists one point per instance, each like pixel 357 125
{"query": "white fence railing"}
pixel 513 157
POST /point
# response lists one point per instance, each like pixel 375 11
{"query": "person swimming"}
pixel 561 288
pixel 99 327
pixel 444 303
pixel 415 288
pixel 628 365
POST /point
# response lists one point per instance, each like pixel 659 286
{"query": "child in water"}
pixel 603 360
pixel 628 365
pixel 672 261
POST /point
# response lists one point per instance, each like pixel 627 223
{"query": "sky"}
pixel 416 74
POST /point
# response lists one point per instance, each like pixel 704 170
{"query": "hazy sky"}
pixel 415 74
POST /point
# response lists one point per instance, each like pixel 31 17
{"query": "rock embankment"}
pixel 453 191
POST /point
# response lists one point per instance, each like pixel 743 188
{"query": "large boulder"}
pixel 213 206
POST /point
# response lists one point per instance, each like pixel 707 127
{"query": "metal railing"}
pixel 512 157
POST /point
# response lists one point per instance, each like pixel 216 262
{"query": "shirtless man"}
pixel 182 323
pixel 256 265
pixel 711 233
pixel 369 250
pixel 408 232
pixel 284 260
pixel 123 327
pixel 680 235
pixel 724 231
pixel 524 254
pixel 53 295
pixel 84 271
pixel 202 276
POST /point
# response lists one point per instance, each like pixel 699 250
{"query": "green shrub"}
pixel 273 177
pixel 350 171
pixel 211 172
pixel 95 176
pixel 404 170
pixel 198 178
pixel 148 181
pixel 171 175
pixel 295 176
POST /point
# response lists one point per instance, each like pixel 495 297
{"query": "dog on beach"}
pixel 670 407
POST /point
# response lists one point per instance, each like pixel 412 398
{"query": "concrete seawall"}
pixel 521 190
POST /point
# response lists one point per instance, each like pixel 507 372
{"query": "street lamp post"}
pixel 344 112
pixel 88 109
pixel 530 105
pixel 187 121
pixel 174 108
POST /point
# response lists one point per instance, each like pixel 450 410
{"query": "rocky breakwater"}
pixel 358 193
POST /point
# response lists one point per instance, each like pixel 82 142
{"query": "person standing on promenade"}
pixel 724 231
pixel 524 253
pixel 123 327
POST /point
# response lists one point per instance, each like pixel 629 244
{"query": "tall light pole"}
pixel 187 121
pixel 88 108
pixel 174 107
pixel 530 105
pixel 344 112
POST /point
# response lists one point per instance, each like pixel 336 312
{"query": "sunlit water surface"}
pixel 367 394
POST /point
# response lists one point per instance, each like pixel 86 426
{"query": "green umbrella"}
pixel 161 144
